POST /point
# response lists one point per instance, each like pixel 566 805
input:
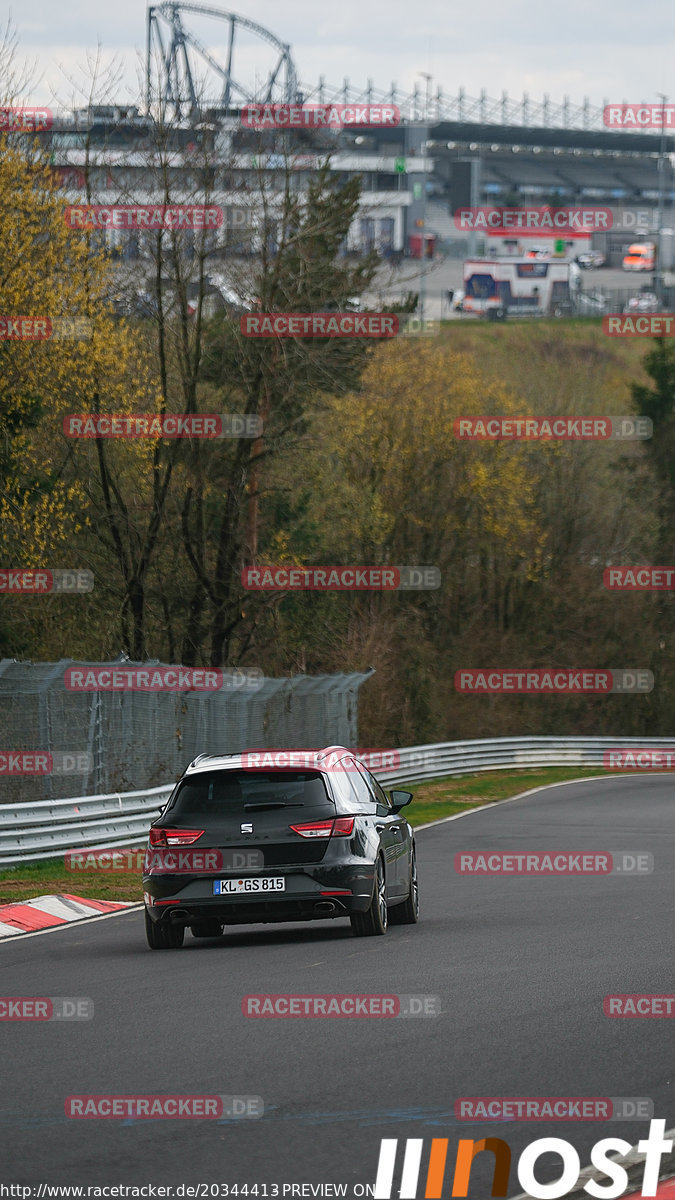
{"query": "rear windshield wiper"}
pixel 273 804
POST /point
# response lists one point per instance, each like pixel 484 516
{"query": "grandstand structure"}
pixel 448 150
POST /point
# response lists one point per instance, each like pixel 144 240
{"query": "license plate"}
pixel 261 883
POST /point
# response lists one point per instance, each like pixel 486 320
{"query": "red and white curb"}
pixel 47 912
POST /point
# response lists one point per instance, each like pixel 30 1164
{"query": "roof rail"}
pixel 198 759
pixel 333 750
pixel 229 754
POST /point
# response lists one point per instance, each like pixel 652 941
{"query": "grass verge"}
pixel 445 797
pixel 433 799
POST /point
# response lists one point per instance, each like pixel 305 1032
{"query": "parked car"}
pixel 232 300
pixel 645 302
pixel 590 260
pixel 349 304
pixel 241 843
pixel 588 303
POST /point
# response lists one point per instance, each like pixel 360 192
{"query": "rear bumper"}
pixel 254 912
pixel 311 894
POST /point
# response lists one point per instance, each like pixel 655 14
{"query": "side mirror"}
pixel 400 799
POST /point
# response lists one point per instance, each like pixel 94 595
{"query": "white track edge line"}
pixel 544 787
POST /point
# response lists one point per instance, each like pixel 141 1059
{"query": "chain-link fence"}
pixel 58 741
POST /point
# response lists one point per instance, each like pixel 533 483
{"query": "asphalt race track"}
pixel 521 966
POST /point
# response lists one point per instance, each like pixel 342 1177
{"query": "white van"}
pixel 495 287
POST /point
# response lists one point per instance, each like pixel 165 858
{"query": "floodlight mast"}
pixel 168 45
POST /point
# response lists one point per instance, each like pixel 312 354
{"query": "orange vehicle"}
pixel 640 257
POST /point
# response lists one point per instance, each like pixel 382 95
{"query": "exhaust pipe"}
pixel 179 916
pixel 325 906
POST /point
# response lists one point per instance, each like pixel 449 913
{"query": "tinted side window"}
pixel 361 784
pixel 343 788
pixel 381 795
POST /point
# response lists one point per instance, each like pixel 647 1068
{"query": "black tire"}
pixel 374 921
pixel 408 913
pixel 154 934
pixel 163 936
pixel 207 929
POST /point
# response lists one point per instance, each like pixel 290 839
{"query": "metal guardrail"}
pixel 29 832
pixel 46 829
pixel 446 759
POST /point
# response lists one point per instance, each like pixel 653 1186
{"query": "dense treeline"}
pixel 357 464
pixel 521 533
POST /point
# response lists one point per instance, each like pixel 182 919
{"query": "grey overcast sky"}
pixel 622 50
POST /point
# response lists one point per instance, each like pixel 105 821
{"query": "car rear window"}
pixel 231 791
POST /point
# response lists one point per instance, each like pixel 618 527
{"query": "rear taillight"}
pixel 340 827
pixel 343 827
pixel 174 837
